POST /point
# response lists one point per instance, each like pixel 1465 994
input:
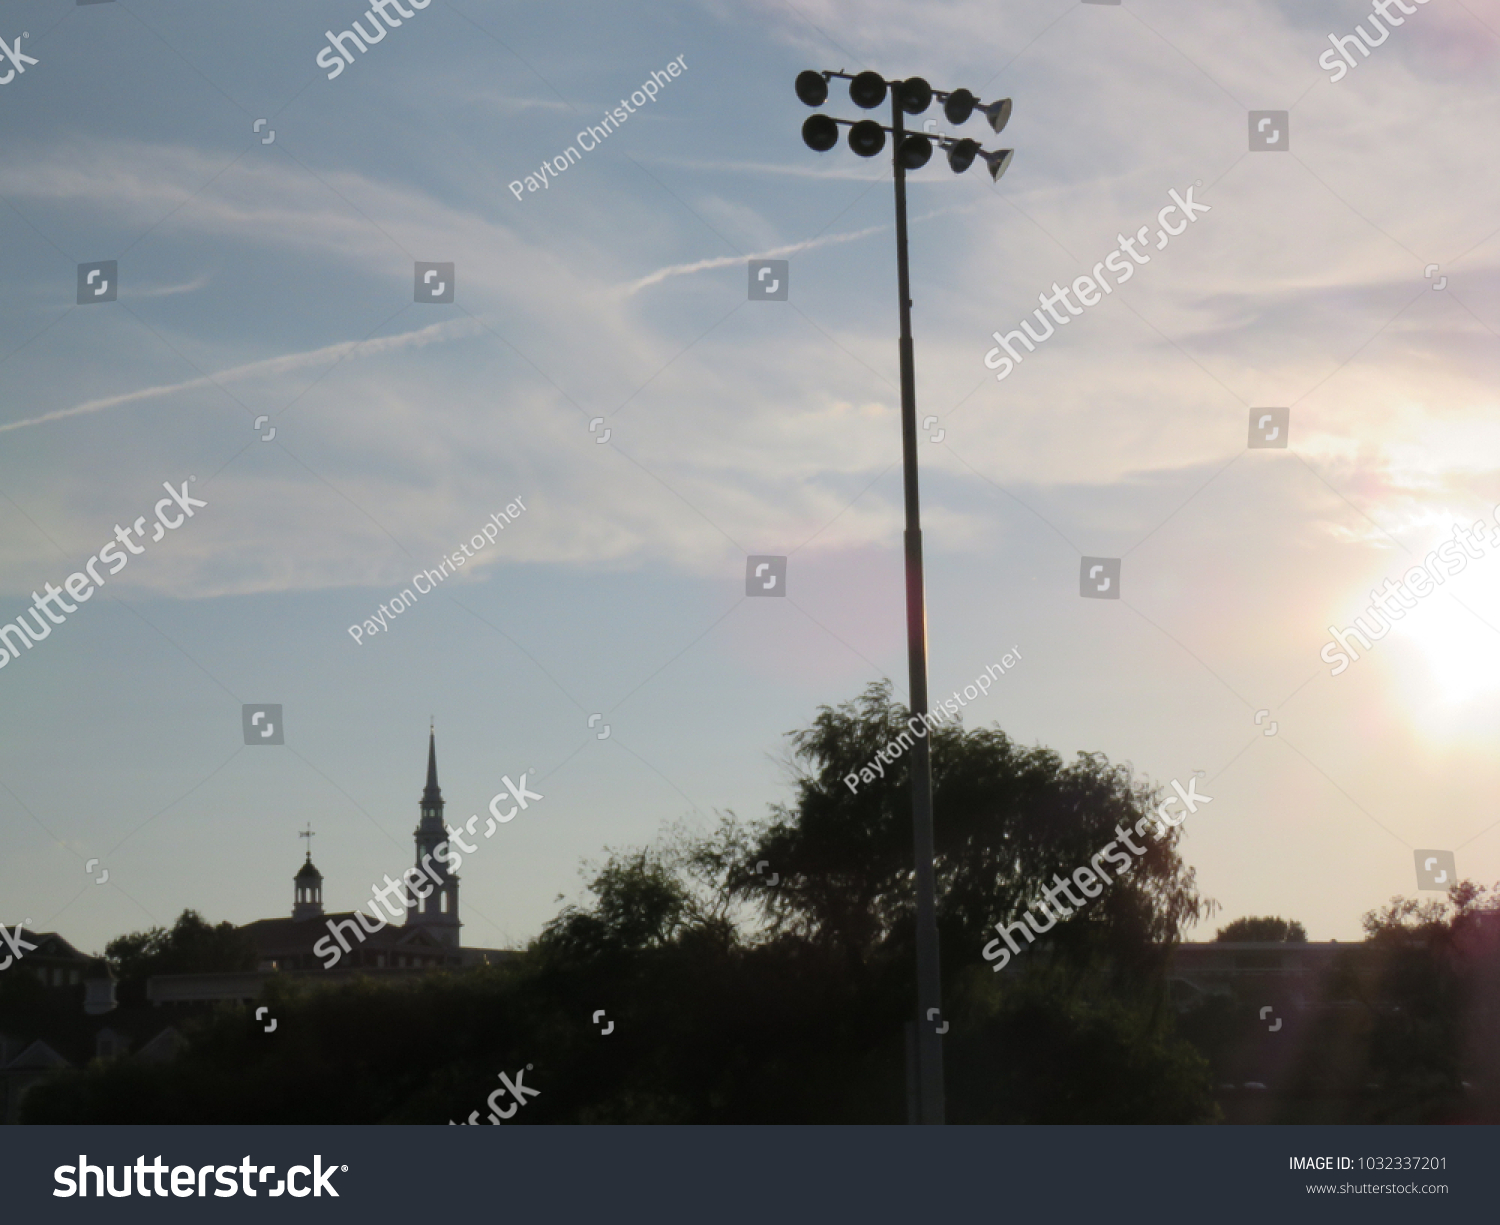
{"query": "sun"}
pixel 1456 630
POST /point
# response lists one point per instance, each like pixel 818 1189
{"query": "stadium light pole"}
pixel 911 151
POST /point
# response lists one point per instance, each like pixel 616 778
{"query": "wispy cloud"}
pixel 167 291
pixel 727 261
pixel 826 240
pixel 267 366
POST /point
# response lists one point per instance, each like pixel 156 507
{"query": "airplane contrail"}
pixel 267 366
pixel 725 261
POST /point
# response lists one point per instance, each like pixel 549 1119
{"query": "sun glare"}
pixel 1460 651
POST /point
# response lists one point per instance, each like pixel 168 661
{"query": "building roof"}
pixel 49 945
pixel 74 1039
pixel 287 937
pixel 36 1057
pixel 163 1048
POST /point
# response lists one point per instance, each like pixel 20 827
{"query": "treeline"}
pixel 729 999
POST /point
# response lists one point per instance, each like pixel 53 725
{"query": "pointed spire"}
pixel 432 795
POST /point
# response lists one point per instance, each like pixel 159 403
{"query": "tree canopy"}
pixel 1008 819
pixel 1268 929
pixel 191 945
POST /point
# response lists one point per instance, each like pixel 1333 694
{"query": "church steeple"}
pixel 438 911
pixel 432 796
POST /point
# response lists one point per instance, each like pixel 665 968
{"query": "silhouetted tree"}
pixel 824 889
pixel 190 946
pixel 1267 929
pixel 1429 989
pixel 1009 821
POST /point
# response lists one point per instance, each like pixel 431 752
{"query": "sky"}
pixel 265 280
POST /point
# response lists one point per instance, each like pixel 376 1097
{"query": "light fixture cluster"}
pixel 868 90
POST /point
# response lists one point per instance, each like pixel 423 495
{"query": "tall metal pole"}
pixel 929 981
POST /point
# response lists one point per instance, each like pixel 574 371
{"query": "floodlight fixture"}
pixel 958 106
pixel 812 87
pixel 998 113
pixel 961 155
pixel 914 151
pixel 867 90
pixel 820 133
pixel 915 95
pixel 866 138
pixel 998 162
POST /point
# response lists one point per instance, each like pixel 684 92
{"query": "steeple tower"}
pixel 307 885
pixel 438 911
pixel 431 794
